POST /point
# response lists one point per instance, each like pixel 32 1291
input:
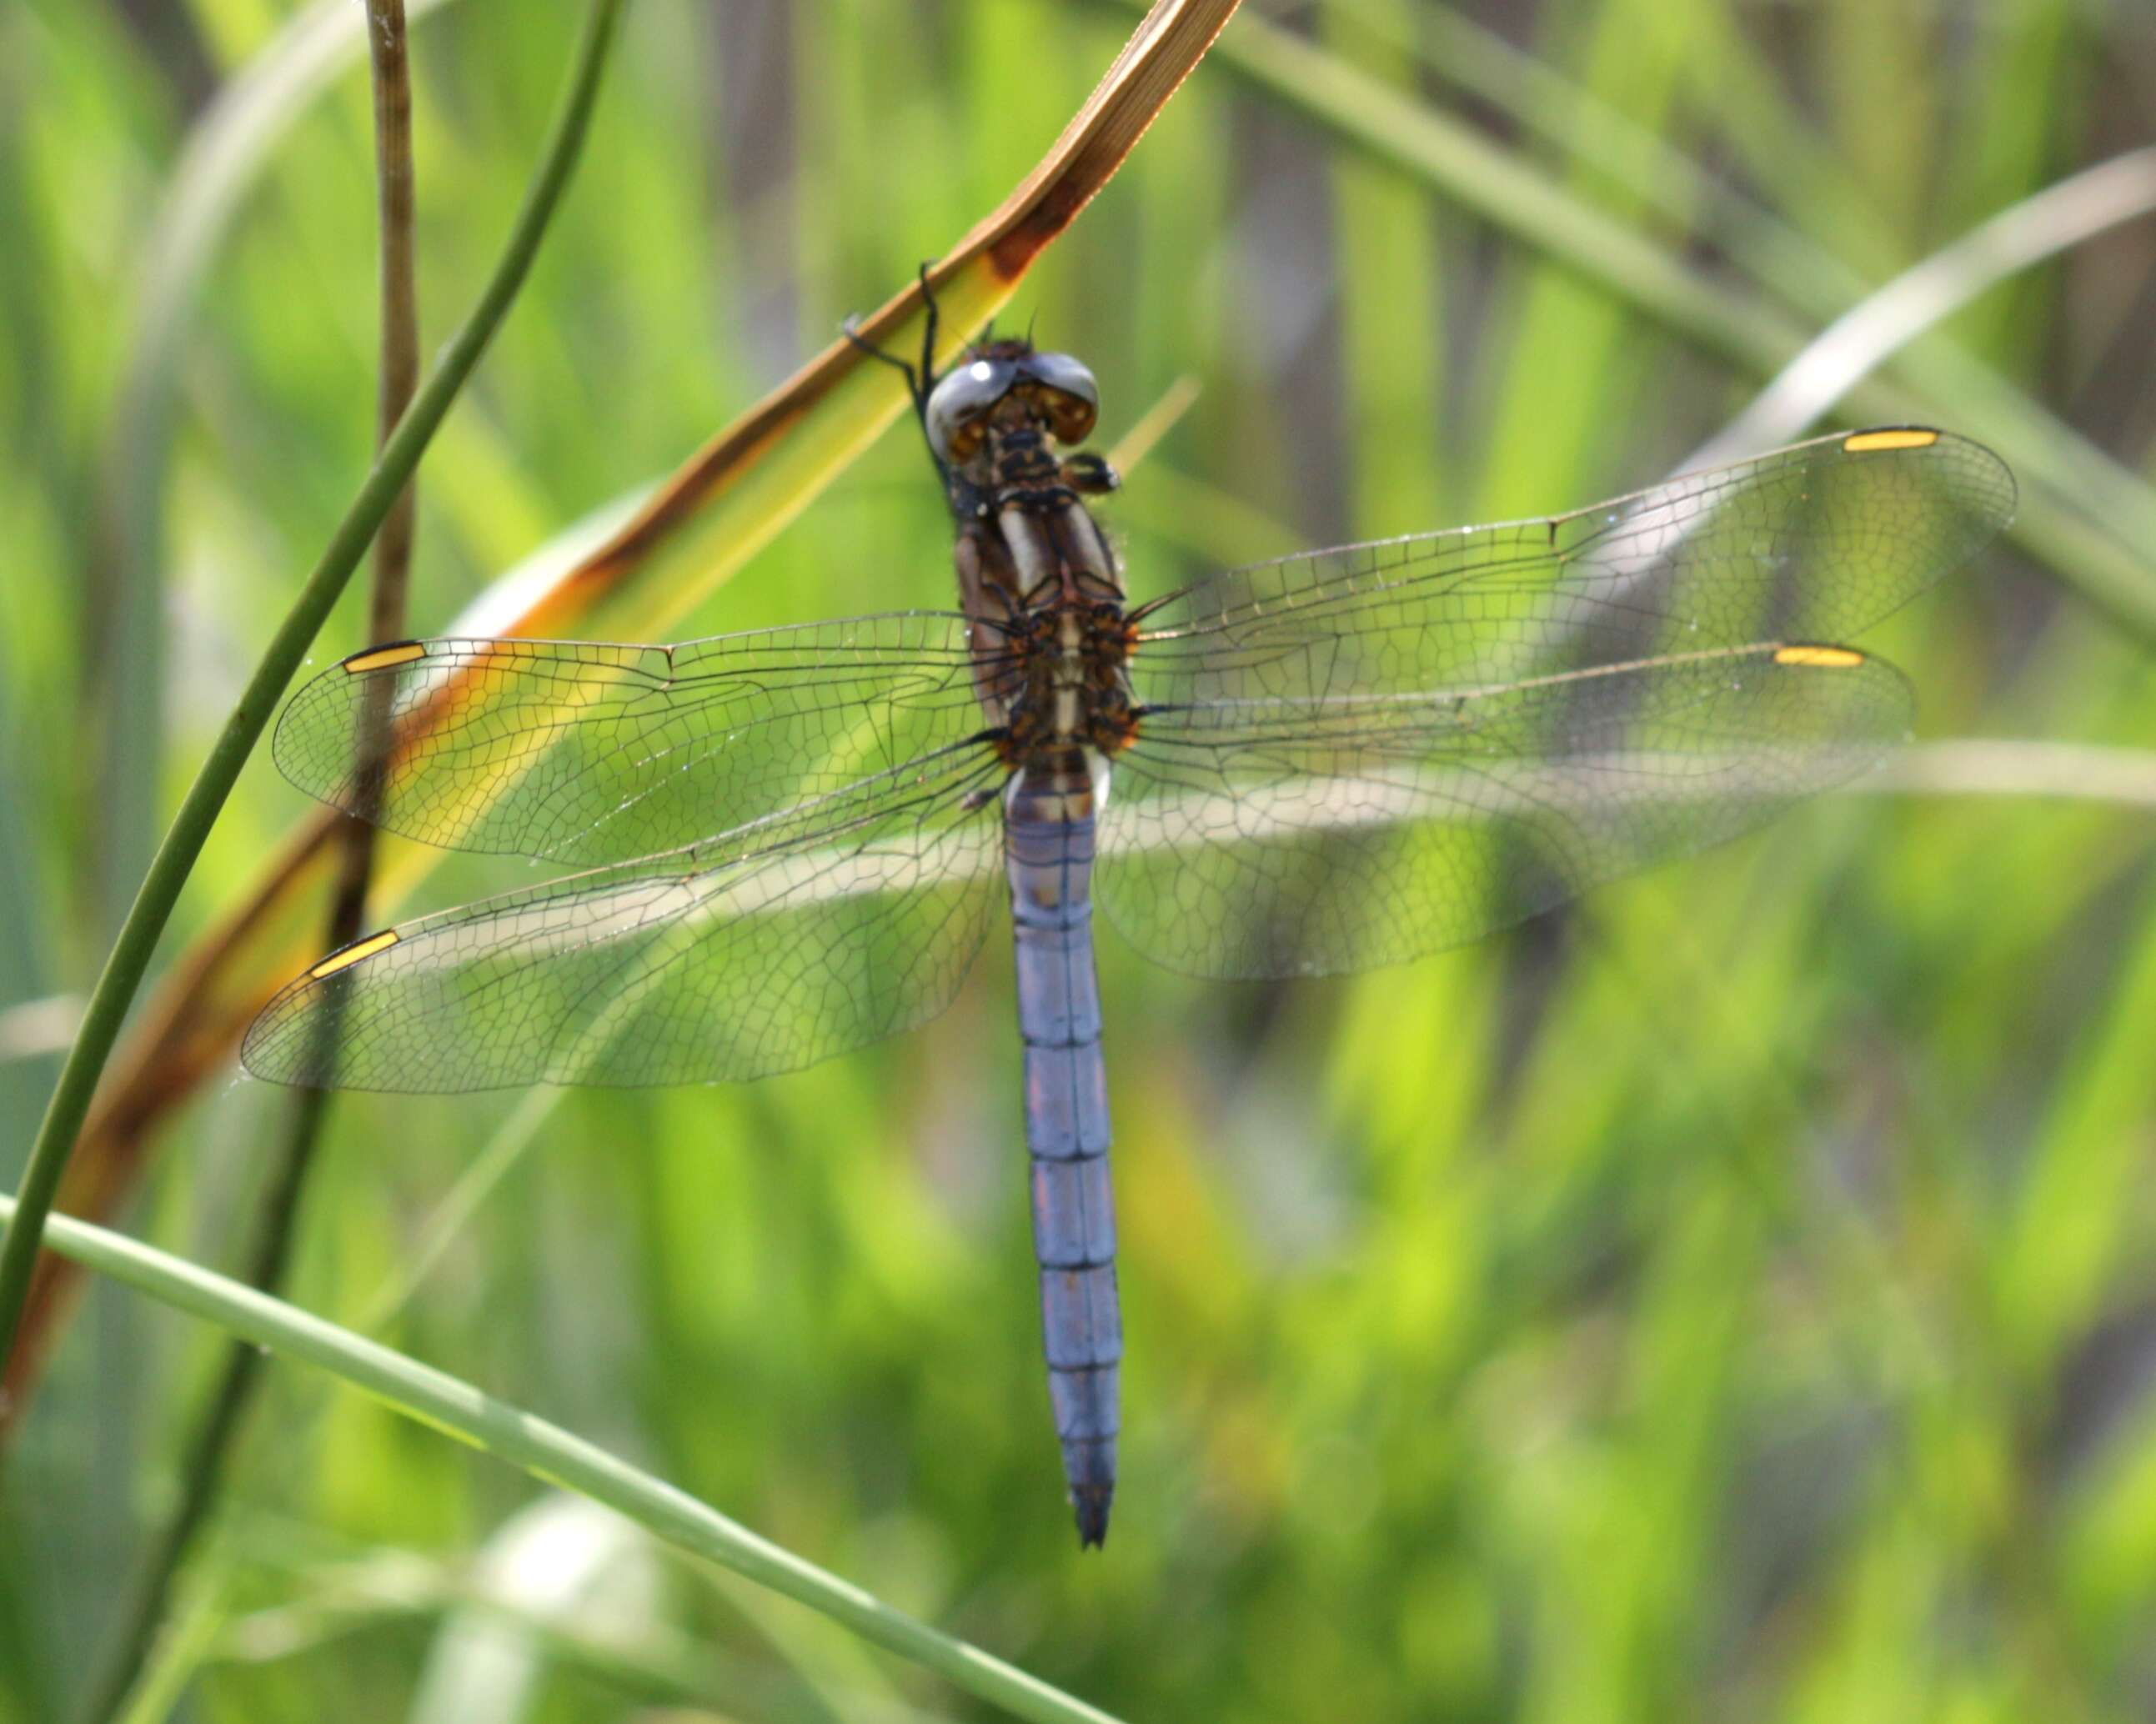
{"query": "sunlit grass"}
pixel 1728 1298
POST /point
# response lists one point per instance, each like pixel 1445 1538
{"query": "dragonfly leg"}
pixel 929 330
pixel 920 379
pixel 1089 475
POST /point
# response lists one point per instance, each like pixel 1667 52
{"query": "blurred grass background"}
pixel 1731 1298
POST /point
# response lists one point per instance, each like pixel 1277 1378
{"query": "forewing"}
pixel 584 752
pixel 1282 837
pixel 1811 543
pixel 838 923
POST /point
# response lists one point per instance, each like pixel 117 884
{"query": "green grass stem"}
pixel 555 1457
pixel 129 958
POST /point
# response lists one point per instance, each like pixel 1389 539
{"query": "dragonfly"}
pixel 792 842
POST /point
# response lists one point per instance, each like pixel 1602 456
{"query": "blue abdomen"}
pixel 1049 863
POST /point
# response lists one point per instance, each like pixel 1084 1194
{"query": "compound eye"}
pixel 1069 393
pixel 958 405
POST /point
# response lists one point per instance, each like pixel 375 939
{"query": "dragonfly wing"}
pixel 832 926
pixel 1281 837
pixel 1811 543
pixel 584 752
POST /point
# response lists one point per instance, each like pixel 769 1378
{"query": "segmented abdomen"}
pixel 1049 863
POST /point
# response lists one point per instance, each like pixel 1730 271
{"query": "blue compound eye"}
pixel 958 405
pixel 1065 391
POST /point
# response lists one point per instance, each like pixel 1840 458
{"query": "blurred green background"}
pixel 1731 1299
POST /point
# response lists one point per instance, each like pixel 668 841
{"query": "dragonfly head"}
pixel 1009 384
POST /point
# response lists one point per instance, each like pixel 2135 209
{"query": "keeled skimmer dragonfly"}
pixel 792 839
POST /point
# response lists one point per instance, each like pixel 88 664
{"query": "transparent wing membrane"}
pixel 846 919
pixel 1364 754
pixel 1277 837
pixel 583 752
pixel 1342 759
pixel 1811 543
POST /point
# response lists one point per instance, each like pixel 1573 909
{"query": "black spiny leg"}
pixel 928 330
pixel 919 379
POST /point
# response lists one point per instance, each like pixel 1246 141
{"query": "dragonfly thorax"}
pixel 1068 671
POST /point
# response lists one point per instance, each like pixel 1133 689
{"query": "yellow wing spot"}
pixel 352 954
pixel 1821 658
pixel 382 657
pixel 1872 443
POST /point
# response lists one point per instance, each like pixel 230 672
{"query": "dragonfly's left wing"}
pixel 587 752
pixel 848 918
pixel 1276 837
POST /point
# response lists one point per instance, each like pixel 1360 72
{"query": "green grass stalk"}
pixel 558 1458
pixel 131 952
pixel 204 1469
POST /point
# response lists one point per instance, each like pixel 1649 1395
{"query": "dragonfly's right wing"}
pixel 583 752
pixel 847 918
